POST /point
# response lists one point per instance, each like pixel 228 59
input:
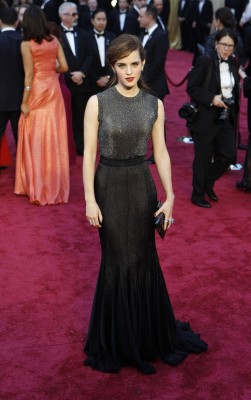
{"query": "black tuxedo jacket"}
pixel 131 24
pixel 204 17
pixel 238 5
pixel 81 62
pixel 97 70
pixel 182 13
pixel 160 21
pixel 84 18
pixel 11 71
pixel 156 49
pixel 204 95
pixel 135 15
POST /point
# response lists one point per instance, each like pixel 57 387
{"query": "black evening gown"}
pixel 132 320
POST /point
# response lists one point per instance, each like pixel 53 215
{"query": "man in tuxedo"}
pixel 134 13
pixel 156 44
pixel 85 14
pixel 121 21
pixel 237 6
pixel 99 40
pixel 79 59
pixel 184 26
pixel 200 15
pixel 11 72
pixel 162 18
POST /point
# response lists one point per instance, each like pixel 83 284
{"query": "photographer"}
pixel 213 130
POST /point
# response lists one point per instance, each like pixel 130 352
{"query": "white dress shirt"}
pixel 201 5
pixel 101 46
pixel 246 16
pixel 70 38
pixel 182 4
pixel 227 80
pixel 7 29
pixel 122 17
pixel 150 31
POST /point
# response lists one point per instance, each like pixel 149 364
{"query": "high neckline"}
pixel 127 97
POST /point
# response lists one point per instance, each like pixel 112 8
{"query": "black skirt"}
pixel 132 320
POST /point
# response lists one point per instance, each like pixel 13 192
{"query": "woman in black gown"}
pixel 132 321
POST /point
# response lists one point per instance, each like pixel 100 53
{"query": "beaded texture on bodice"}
pixel 125 123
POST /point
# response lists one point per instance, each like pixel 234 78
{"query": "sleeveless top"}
pixel 125 123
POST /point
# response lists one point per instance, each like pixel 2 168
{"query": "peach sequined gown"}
pixel 42 165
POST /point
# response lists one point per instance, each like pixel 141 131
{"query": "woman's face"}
pixel 225 47
pixel 129 69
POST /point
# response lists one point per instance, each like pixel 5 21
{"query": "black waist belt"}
pixel 113 162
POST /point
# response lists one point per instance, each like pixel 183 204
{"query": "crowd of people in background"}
pixel 85 29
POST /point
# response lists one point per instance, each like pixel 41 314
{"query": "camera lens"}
pixel 224 115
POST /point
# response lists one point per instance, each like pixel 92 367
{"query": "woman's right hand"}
pixel 218 102
pixel 93 214
pixel 25 109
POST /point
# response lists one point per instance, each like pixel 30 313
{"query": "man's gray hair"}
pixel 63 8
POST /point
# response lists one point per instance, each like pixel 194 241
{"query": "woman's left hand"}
pixel 167 210
pixel 25 110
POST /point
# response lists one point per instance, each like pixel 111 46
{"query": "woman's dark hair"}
pixel 226 17
pixel 226 32
pixel 97 11
pixel 35 25
pixel 122 47
pixel 54 30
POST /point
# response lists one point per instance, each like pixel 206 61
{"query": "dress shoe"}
pixel 211 195
pixel 202 203
pixel 241 185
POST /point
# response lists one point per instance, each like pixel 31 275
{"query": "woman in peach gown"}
pixel 42 165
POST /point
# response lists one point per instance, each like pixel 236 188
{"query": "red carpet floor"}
pixel 49 264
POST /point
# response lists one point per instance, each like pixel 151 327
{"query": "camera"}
pixel 189 111
pixel 225 113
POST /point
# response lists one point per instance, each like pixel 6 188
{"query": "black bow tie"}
pixel 225 61
pixel 66 31
pixel 146 33
pixel 99 34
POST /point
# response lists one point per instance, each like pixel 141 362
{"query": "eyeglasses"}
pixel 72 14
pixel 227 46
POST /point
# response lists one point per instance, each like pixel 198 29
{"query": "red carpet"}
pixel 49 264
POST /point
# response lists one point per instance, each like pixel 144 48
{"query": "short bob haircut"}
pixel 226 32
pixel 122 47
pixel 35 25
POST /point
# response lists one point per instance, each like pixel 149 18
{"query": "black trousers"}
pixel 79 101
pixel 185 35
pixel 13 117
pixel 214 151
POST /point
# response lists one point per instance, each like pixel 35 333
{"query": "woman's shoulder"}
pixel 149 98
pixel 148 95
pixel 107 92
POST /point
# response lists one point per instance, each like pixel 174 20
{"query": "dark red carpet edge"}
pixel 49 264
